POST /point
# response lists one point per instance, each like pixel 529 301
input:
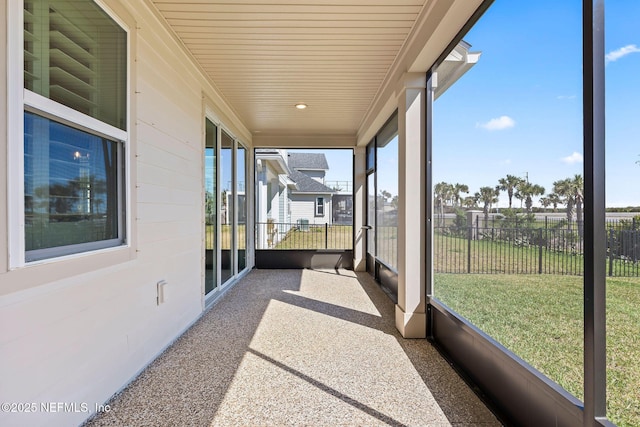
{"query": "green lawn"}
pixel 225 236
pixel 540 318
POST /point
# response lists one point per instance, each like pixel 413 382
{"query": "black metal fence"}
pixel 302 235
pixel 555 249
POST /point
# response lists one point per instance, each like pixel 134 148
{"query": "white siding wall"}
pixel 303 206
pixel 4 257
pixel 78 330
pixel 274 206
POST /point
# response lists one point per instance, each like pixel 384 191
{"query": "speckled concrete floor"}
pixel 298 348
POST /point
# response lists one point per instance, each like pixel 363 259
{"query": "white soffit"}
pixel 265 56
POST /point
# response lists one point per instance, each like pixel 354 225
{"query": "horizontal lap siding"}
pixel 77 333
pixel 4 165
pixel 303 206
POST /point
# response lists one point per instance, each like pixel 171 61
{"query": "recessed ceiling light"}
pixel 301 106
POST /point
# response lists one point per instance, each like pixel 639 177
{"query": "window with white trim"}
pixel 320 206
pixel 75 128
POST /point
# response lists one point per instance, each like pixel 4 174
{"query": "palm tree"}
pixel 571 192
pixel 441 193
pixel 488 196
pixel 577 186
pixel 526 190
pixel 456 190
pixel 509 184
pixel 469 202
pixel 563 189
pixel 554 200
pixel 545 202
pixel 384 196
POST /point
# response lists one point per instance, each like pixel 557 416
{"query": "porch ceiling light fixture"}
pixel 301 105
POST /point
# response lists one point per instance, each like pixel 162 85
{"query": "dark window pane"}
pixel 371 214
pixel 210 207
pixel 387 197
pixel 241 177
pixel 371 155
pixel 71 182
pixel 320 206
pixel 226 210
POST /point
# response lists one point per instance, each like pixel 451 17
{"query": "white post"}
pixel 411 318
pixel 261 201
pixel 360 209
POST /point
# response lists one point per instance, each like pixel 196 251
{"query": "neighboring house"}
pixel 291 191
pixel 271 176
pixel 291 188
pixel 311 199
pixel 272 196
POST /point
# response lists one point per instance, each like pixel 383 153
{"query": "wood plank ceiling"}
pixel 267 55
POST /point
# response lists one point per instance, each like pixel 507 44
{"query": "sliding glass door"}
pixel 241 201
pixel 227 228
pixel 211 207
pixel 371 208
pixel 382 195
pixel 225 206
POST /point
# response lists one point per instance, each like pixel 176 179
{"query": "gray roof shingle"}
pixel 308 161
pixel 306 184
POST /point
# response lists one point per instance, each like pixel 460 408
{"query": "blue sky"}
pixel 518 111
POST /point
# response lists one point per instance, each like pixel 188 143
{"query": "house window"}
pixel 320 206
pixel 76 55
pixel 75 128
pixel 371 156
pixel 386 195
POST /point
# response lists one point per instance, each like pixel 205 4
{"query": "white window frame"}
pixel 20 100
pixel 319 206
pixel 236 211
pixel 212 116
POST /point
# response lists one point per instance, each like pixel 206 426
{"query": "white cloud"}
pixel 500 123
pixel 573 158
pixel 614 55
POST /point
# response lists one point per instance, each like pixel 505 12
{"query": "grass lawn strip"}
pixel 540 318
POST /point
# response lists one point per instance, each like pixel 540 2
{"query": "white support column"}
pixel 411 318
pixel 261 202
pixel 360 208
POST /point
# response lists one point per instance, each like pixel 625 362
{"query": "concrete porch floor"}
pixel 298 347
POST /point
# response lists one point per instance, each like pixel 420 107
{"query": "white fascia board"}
pixel 473 57
pixel 454 56
pixel 284 180
pixel 276 163
pixel 446 77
